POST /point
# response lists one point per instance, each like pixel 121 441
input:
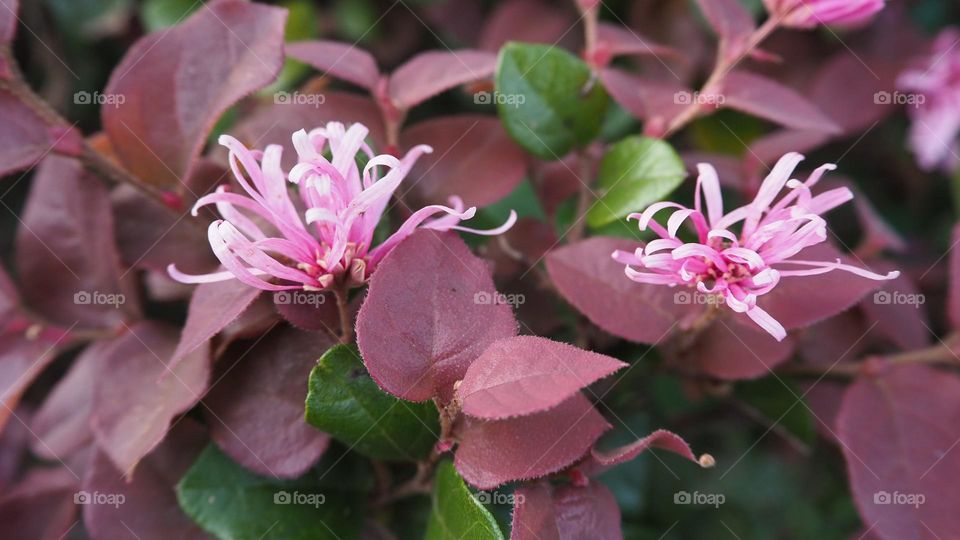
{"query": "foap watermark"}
pixel 305 499
pixel 697 498
pixel 298 98
pixel 97 298
pixel 485 298
pixel 98 98
pixel 109 499
pixel 486 98
pixel 697 298
pixel 299 298
pixel 898 98
pixel 495 497
pixel 684 97
pixel 908 499
pixel 896 298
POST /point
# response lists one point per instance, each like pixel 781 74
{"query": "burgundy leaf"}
pixel 137 394
pixel 9 297
pixel 846 86
pixel 643 97
pixel 953 298
pixel 728 18
pixel 24 137
pixel 21 361
pixel 473 158
pixel 768 99
pixel 733 347
pixel 8 20
pixel 149 509
pixel 425 319
pixel 340 60
pixel 255 409
pixel 212 307
pixel 897 308
pixel 274 124
pixel 41 507
pixel 801 301
pixel 177 82
pixel 899 431
pixel 493 453
pixel 309 310
pixel 62 424
pixel 545 512
pixel 530 21
pixel 660 438
pixel 68 262
pixel 619 40
pixel 432 72
pixel 528 374
pixel 595 284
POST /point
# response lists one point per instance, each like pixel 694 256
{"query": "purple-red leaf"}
pixel 138 394
pixel 899 433
pixel 595 284
pixel 41 506
pixel 493 453
pixel 473 158
pixel 528 374
pixel 953 297
pixel 661 438
pixel 432 72
pixel 24 136
pixel 340 60
pixel 8 20
pixel 732 23
pixel 545 512
pixel 212 307
pixel 149 510
pixel 733 347
pixel 255 411
pixel 21 361
pixel 530 21
pixel 898 309
pixel 176 83
pixel 768 99
pixel 425 320
pixel 619 40
pixel 68 262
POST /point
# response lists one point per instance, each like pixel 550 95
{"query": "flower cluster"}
pixel 741 267
pixel 325 236
pixel 810 13
pixel 935 121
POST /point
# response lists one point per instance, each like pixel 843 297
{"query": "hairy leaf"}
pixel 340 60
pixel 213 306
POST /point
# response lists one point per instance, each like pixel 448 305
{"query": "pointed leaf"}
pixel 259 395
pixel 138 394
pixel 492 453
pixel 661 438
pixel 559 112
pixel 176 83
pixel 340 60
pixel 545 512
pixel 455 513
pixel 763 97
pixel 532 21
pixel 345 402
pixel 21 361
pixel 527 374
pixel 634 173
pixel 899 432
pixel 733 347
pixel 24 137
pixel 432 72
pixel 213 306
pixel 424 320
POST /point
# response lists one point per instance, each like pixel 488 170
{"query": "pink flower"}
pixel 324 236
pixel 739 268
pixel 810 13
pixel 935 110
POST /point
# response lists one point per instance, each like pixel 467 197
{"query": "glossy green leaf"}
pixel 456 513
pixel 345 402
pixel 232 503
pixel 635 173
pixel 547 100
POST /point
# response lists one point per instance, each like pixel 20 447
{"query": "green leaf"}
pixel 232 503
pixel 777 401
pixel 546 99
pixel 456 514
pixel 346 403
pixel 634 173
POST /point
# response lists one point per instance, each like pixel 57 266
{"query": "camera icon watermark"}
pixel 898 98
pixel 98 98
pixel 909 499
pixel 886 298
pixel 97 298
pixel 298 98
pixel 684 97
pixel 109 499
pixel 697 298
pixel 306 499
pixel 495 497
pixel 299 298
pixel 497 298
pixel 701 499
pixel 489 98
